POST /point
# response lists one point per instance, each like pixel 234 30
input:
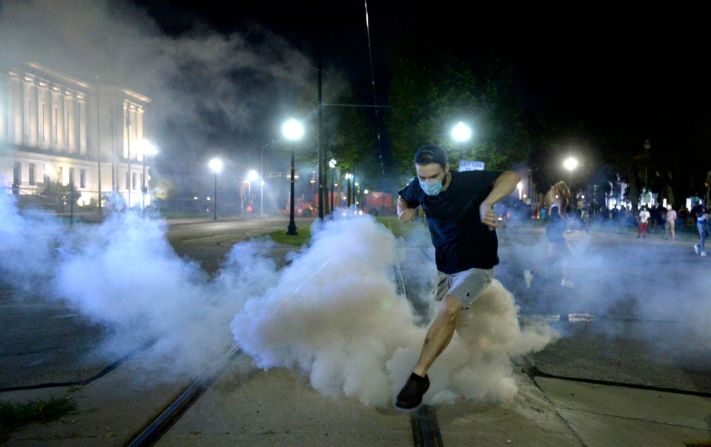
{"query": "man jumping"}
pixel 460 213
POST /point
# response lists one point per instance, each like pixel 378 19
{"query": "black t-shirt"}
pixel 461 241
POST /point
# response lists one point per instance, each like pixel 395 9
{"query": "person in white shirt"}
pixel 643 222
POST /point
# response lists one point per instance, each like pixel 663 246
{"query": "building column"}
pixel 17 108
pixel 126 126
pixel 29 112
pixel 139 123
pixel 46 116
pixel 58 118
pixel 71 122
pixel 82 125
pixel 34 116
pixel 133 113
pixel 3 107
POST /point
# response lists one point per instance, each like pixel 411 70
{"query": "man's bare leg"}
pixel 439 334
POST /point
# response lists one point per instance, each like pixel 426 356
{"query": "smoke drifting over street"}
pixel 333 313
pixel 27 242
pixel 644 289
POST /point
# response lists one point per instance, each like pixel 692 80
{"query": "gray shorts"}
pixel 465 286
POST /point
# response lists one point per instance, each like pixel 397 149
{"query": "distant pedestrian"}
pixel 643 222
pixel 671 223
pixel 585 217
pixel 556 200
pixel 702 218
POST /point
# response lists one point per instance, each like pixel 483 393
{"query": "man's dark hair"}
pixel 429 153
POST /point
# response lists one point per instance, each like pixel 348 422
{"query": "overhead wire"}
pixel 372 83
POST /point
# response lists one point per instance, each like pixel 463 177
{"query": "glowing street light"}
pixel 215 166
pixel 293 131
pixel 570 163
pixel 461 132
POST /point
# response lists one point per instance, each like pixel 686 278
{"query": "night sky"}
pixel 635 74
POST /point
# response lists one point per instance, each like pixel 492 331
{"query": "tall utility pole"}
pixel 647 147
pixel 215 202
pixel 320 149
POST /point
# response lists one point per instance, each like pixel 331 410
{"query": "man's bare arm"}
pixel 404 212
pixel 503 186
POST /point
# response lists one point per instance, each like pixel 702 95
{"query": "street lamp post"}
pixel 349 176
pixel 647 147
pixel 216 167
pixel 293 131
pixel 332 164
pixel 461 133
pixel 252 176
pixel 570 164
pixel 261 197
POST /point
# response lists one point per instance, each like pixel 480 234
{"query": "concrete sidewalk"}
pixel 278 407
pixel 248 407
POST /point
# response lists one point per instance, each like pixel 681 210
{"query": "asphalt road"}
pixel 208 241
pixel 638 313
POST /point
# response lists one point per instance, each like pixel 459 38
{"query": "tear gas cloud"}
pixel 27 240
pixel 333 313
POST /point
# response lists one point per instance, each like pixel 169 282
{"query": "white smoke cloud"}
pixel 28 244
pixel 657 286
pixel 335 315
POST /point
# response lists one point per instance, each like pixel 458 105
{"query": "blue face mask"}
pixel 431 188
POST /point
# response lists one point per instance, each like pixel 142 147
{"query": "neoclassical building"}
pixel 59 132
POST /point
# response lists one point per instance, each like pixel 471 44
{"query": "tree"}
pixel 428 96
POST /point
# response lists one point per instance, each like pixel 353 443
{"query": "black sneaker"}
pixel 411 394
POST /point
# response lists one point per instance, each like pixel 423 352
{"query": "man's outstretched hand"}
pixel 407 215
pixel 487 216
